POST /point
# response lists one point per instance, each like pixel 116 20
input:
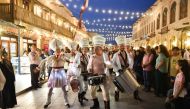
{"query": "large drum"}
pixel 96 80
pixel 126 82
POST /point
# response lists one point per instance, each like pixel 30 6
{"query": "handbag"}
pixel 2 80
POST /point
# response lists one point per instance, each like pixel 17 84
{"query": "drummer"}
pixel 120 62
pixel 97 66
pixel 81 61
pixel 57 77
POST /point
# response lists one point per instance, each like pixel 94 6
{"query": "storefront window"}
pixel 5 38
pixel 9 44
pixel 13 49
pixel 27 43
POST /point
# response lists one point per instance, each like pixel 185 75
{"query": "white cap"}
pixel 84 42
pixel 55 43
pixel 72 45
pixel 98 40
pixel 120 40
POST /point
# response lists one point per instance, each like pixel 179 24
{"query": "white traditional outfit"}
pixel 81 62
pixel 121 62
pixel 57 79
pixel 97 66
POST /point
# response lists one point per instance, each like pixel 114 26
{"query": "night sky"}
pixel 112 17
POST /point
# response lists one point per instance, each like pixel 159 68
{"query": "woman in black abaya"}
pixel 8 93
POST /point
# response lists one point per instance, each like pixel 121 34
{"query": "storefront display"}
pixel 10 45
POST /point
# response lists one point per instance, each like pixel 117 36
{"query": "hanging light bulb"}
pixel 110 11
pixel 90 8
pixel 75 6
pixel 121 12
pixel 115 12
pixel 103 11
pixel 67 4
pixel 97 10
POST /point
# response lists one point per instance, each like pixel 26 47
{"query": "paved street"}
pixel 36 99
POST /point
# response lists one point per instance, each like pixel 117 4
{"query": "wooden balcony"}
pixel 26 16
pixel 6 12
pixel 34 20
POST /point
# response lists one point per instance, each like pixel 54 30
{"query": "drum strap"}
pixel 124 60
pixel 93 64
pixel 84 62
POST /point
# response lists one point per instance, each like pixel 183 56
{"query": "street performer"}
pixel 81 61
pixel 58 78
pixel 97 66
pixel 120 63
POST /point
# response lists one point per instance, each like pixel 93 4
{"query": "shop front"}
pixel 9 43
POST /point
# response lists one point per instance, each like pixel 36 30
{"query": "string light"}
pixel 112 19
pixel 90 9
pixel 110 11
pixel 104 11
pixel 109 29
pixel 67 4
pixel 97 10
pixel 105 25
pixel 75 6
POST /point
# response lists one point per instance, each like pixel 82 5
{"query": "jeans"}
pixel 147 79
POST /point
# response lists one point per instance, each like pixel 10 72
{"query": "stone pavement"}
pixel 35 99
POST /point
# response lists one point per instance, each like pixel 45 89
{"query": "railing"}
pixel 6 11
pixel 32 19
pixel 21 14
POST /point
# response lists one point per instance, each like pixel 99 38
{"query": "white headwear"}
pixel 55 43
pixel 98 40
pixel 72 45
pixel 120 40
pixel 84 43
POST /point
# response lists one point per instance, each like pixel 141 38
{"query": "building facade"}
pixel 24 23
pixel 38 21
pixel 165 22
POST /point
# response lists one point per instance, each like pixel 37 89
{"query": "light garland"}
pixel 111 35
pixel 110 19
pixel 103 11
pixel 109 30
pixel 106 31
pixel 108 25
pixel 112 38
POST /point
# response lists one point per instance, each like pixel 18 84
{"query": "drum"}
pixel 126 82
pixel 96 80
pixel 75 83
